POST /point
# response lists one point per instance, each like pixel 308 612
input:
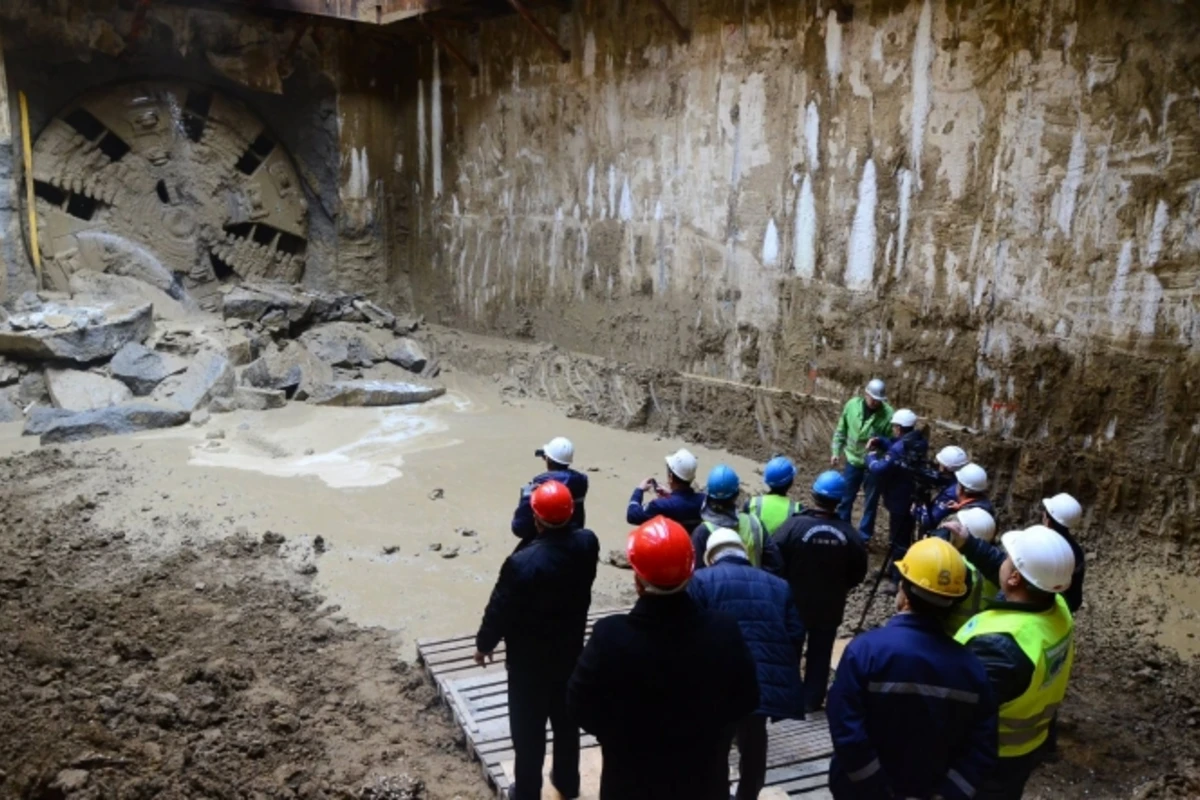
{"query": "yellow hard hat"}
pixel 935 570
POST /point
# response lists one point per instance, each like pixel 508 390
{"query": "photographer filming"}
pixel 558 454
pixel 929 515
pixel 897 464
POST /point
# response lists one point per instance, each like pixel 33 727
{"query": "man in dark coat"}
pixel 539 607
pixel 558 454
pixel 762 604
pixel 663 687
pixel 824 558
pixel 890 461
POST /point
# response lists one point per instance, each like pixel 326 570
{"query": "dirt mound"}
pixel 212 673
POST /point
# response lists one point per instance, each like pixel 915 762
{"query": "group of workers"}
pixel 955 697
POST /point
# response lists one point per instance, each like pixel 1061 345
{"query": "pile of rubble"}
pixel 90 365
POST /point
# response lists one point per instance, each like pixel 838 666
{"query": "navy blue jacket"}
pixel 683 506
pixel 662 688
pixel 577 482
pixel 823 559
pixel 930 517
pixel 762 605
pixel 896 483
pixel 540 602
pixel 911 714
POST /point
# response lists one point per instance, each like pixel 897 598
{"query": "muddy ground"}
pixel 210 666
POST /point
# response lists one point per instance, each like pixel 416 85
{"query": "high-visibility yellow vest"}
pixel 1048 639
pixel 983 593
pixel 773 510
pixel 750 531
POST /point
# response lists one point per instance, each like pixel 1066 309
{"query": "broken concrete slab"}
pixel 120 419
pixel 143 369
pixel 373 393
pixel 89 286
pixel 82 334
pixel 252 399
pixel 293 369
pixel 342 344
pixel 252 302
pixel 209 375
pixel 374 314
pixel 42 418
pixel 408 354
pixel 76 390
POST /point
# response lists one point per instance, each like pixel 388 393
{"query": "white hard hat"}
pixel 1063 509
pixel 1042 556
pixel 973 477
pixel 904 418
pixel 720 539
pixel 560 450
pixel 978 523
pixel 876 390
pixel 683 465
pixel 952 457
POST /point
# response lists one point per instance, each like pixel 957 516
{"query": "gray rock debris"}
pixel 341 344
pixel 292 368
pixel 210 375
pixel 74 333
pixel 408 354
pixel 142 369
pixel 373 393
pixel 375 314
pixel 9 412
pixel 9 374
pixel 66 426
pixel 76 390
pixel 252 399
pixel 253 302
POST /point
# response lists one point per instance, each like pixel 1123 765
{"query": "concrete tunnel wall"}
pixel 993 207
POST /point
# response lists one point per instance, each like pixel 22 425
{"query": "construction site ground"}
pixel 231 610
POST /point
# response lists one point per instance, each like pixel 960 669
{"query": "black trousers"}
pixel 1007 779
pixel 533 698
pixel 752 752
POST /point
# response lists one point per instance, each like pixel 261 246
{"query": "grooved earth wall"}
pixel 994 206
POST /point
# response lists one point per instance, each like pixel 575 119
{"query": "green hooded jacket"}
pixel 856 428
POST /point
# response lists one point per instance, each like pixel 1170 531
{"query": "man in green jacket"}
pixel 863 418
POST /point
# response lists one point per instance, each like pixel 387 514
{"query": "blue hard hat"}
pixel 722 483
pixel 829 485
pixel 779 472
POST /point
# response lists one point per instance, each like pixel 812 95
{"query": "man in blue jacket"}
pixel 949 460
pixel 911 711
pixel 558 454
pixel 539 608
pixel 891 462
pixel 679 502
pixel 762 604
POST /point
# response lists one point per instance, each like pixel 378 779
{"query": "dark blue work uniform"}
pixel 577 482
pixel 682 506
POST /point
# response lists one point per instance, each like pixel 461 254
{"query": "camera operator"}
pixel 895 463
pixel 930 515
pixel 558 454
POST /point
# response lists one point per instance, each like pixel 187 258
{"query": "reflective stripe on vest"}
pixel 1047 638
pixel 773 510
pixel 750 532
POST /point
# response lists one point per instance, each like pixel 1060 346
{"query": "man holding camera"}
pixel 558 454
pixel 897 464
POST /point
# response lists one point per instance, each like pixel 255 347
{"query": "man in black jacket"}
pixel 823 559
pixel 663 687
pixel 539 607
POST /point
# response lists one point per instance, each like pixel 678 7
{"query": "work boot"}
pixel 565 795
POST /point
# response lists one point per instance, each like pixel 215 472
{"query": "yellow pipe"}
pixel 29 199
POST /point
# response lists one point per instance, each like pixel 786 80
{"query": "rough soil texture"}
pixel 213 672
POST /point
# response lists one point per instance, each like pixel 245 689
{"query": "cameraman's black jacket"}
pixel 895 468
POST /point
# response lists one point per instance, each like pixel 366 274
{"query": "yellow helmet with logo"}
pixel 935 571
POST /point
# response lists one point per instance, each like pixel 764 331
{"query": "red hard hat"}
pixel 660 552
pixel 552 504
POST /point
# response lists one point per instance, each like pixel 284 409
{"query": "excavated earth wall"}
pixel 994 207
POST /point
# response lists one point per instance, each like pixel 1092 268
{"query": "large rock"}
pixel 76 390
pixel 341 344
pixel 373 393
pixel 9 411
pixel 408 354
pixel 82 334
pixel 125 418
pixel 142 369
pixel 43 418
pixel 252 302
pixel 9 374
pixel 209 375
pixel 375 314
pixel 293 369
pixel 251 399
